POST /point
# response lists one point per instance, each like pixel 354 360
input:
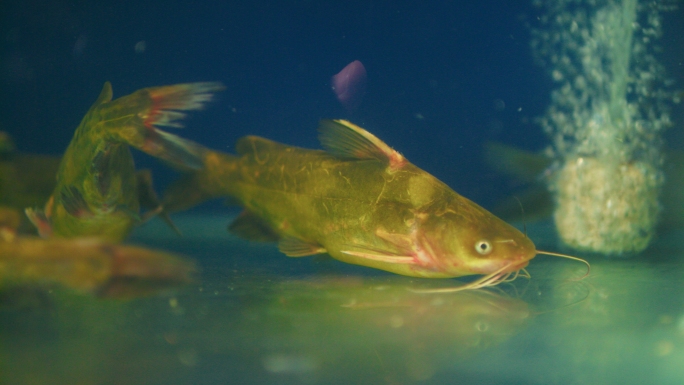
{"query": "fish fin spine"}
pixel 347 140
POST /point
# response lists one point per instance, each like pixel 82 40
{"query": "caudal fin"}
pixel 161 107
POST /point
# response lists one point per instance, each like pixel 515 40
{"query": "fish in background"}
pixel 359 201
pixel 531 170
pixel 29 264
pixel 349 85
pixel 96 198
pixel 97 191
pixel 28 180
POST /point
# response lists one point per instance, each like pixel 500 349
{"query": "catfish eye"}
pixel 483 247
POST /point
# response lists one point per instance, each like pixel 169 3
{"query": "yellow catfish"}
pixel 359 201
pixel 97 187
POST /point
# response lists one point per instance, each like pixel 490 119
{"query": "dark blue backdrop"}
pixel 450 62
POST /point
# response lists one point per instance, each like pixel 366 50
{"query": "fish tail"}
pixel 162 107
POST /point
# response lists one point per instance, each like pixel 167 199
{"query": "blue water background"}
pixel 438 73
pixel 453 63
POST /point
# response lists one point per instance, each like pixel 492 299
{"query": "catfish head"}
pixel 462 238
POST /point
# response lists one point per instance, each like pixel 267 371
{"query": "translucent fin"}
pixel 40 221
pixel 174 149
pixel 251 227
pixel 170 119
pixel 347 140
pixel 105 94
pixel 184 97
pixel 149 200
pixel 293 247
pixel 165 104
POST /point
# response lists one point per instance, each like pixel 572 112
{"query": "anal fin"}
pixel 293 247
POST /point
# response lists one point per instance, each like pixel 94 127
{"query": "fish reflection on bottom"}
pixel 378 327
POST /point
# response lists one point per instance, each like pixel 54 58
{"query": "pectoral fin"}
pixel 389 258
pixel 293 247
pixel 347 140
pixel 149 200
pixel 399 249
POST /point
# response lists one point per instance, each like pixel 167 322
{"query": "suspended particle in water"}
pixel 140 46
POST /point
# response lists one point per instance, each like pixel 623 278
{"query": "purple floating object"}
pixel 350 85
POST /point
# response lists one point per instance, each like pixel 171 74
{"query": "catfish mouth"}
pixel 497 273
pixel 516 266
pixel 503 266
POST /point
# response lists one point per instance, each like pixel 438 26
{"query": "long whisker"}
pixel 490 279
pixel 569 257
pixel 522 210
pixel 525 273
pixel 508 278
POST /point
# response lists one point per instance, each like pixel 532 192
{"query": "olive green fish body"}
pixel 362 203
pixel 96 192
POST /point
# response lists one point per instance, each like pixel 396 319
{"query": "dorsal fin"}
pixel 105 94
pixel 347 140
